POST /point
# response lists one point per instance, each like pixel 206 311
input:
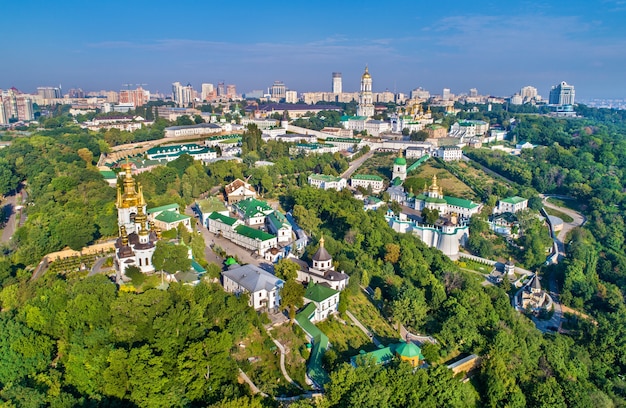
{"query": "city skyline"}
pixel 496 48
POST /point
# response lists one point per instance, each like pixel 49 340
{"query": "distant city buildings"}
pixel 562 94
pixel 337 86
pixel 277 91
pixel 182 95
pixel 136 97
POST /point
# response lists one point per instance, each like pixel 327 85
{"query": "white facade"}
pixel 327 182
pixel 291 97
pixel 449 153
pixel 377 127
pixel 262 287
pixel 511 204
pixel 366 99
pixel 192 130
pixel 368 181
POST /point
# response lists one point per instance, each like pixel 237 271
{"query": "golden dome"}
pixel 141 217
pixel 366 74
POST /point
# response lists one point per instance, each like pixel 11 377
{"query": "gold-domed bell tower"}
pixel 129 200
pixel 366 98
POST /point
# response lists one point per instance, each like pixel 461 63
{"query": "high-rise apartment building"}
pixel 49 92
pixel 221 89
pixel 76 93
pixel 182 95
pixel 277 91
pixel 231 91
pixel 291 97
pixel 4 119
pixel 446 95
pixel 366 98
pixel 337 88
pixel 562 94
pixel 473 92
pixel 528 92
pixel 420 93
pixel 208 92
pixel 138 97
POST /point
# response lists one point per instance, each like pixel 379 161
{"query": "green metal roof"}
pixel 319 293
pixel 108 174
pixel 324 177
pixel 409 350
pixel 169 217
pixel 197 267
pixel 315 370
pixel 167 207
pixel 384 355
pixel 251 207
pixel 278 220
pixel 371 177
pixel 400 161
pixel 253 233
pixel 417 163
pixel 343 140
pixel 513 200
pixel 460 202
pixel 222 218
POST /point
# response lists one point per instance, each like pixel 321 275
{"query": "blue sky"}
pixel 494 46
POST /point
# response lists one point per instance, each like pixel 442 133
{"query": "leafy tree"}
pixel 171 258
pixel 292 295
pixel 286 269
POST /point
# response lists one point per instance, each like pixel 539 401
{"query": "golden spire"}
pixel 141 217
pixel 124 235
pixel 322 239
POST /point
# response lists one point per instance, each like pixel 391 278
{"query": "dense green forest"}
pixel 66 340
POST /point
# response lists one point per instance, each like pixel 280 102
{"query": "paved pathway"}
pixel 10 226
pixel 282 361
pixel 253 388
pixel 363 328
pixel 97 266
pixel 356 164
pixel 578 220
pixel 416 337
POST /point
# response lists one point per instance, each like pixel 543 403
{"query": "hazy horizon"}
pixel 494 47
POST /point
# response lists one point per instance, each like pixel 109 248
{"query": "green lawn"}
pixel 571 204
pixel 474 266
pixel 364 310
pixel 557 213
pixel 346 339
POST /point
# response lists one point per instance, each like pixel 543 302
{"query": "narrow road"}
pixel 356 164
pixel 10 226
pixel 97 266
pixel 253 388
pixel 578 220
pixel 363 328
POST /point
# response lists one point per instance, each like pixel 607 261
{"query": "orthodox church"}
pixel 137 237
pixel 433 199
pixel 322 272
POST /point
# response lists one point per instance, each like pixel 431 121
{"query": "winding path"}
pixel 358 324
